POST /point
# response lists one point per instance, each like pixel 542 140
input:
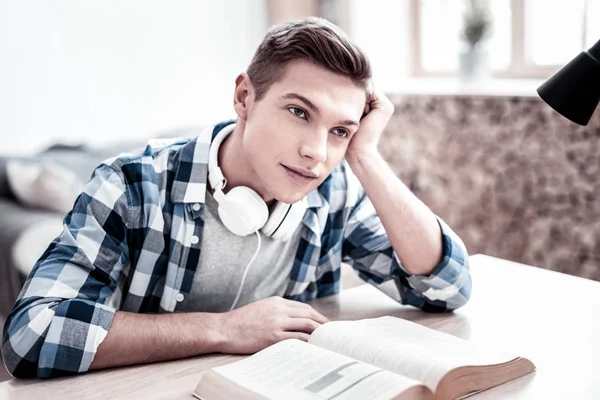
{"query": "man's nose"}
pixel 314 146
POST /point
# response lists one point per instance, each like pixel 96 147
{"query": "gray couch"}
pixel 15 219
pixel 18 248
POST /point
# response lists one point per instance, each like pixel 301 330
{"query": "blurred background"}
pixel 81 81
pixel 92 71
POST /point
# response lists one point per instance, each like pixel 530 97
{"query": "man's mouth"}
pixel 300 176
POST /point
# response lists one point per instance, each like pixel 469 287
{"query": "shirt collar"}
pixel 189 185
pixel 314 199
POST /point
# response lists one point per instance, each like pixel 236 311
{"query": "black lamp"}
pixel 574 91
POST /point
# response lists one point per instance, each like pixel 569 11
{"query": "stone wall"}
pixel 510 175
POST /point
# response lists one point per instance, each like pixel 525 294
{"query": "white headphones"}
pixel 242 210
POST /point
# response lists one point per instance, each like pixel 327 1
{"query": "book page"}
pixel 293 369
pixel 404 347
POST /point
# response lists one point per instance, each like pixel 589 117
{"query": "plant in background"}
pixel 476 22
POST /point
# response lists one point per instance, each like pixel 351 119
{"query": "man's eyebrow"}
pixel 348 122
pixel 311 105
pixel 303 99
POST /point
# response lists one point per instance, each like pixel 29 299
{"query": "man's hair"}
pixel 309 39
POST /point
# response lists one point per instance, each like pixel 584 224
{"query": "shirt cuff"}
pixel 449 276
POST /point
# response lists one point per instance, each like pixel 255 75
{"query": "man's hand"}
pixel 378 111
pixel 258 325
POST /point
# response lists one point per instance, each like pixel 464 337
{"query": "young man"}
pixel 155 253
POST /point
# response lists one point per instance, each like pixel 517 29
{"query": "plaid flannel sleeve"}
pixel 60 318
pixel 367 249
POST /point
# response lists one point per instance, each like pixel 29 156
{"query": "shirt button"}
pixel 179 297
pixel 194 239
pixel 196 207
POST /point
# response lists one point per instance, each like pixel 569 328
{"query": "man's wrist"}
pixel 357 159
pixel 215 328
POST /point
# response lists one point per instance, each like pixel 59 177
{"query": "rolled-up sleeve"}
pixel 60 317
pixel 368 250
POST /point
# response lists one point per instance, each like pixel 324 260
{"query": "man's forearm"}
pixel 410 225
pixel 145 338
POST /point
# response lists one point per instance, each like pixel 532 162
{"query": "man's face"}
pixel 299 131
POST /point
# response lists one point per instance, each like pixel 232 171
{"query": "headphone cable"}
pixel 237 297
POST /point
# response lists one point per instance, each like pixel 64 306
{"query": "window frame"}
pixel 519 66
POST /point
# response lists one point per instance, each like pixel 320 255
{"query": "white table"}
pixel 551 318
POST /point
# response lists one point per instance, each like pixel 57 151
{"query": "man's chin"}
pixel 289 193
pixel 291 198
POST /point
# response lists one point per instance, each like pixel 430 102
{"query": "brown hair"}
pixel 311 39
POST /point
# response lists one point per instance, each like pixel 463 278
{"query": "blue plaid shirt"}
pixel 133 240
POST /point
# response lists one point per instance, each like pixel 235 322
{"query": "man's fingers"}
pixel 308 312
pixel 295 304
pixel 303 310
pixel 305 325
pixel 296 335
pixel 317 316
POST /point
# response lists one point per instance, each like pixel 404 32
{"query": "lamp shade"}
pixel 574 91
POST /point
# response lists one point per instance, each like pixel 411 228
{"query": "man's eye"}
pixel 341 132
pixel 298 112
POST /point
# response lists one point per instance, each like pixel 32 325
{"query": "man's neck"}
pixel 235 165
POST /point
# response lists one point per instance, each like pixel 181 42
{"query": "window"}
pixel 529 38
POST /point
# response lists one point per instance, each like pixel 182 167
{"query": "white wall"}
pixel 102 70
pixel 383 29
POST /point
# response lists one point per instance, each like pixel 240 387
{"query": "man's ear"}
pixel 243 96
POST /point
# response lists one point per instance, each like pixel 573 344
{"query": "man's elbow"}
pixel 16 365
pixel 28 366
pixel 21 344
pixel 449 298
pixel 461 287
pixel 461 297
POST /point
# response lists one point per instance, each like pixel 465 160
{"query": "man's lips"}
pixel 300 176
pixel 303 172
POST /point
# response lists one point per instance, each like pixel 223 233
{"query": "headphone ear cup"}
pixel 242 210
pixel 284 220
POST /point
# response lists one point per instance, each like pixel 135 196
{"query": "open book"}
pixel 381 358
